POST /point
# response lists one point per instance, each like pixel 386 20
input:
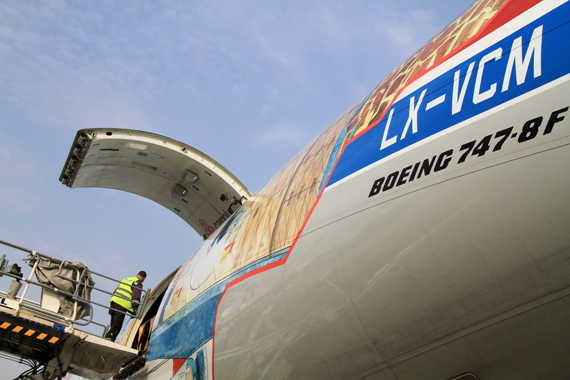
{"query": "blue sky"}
pixel 249 83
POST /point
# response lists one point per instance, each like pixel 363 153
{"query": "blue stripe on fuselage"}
pixel 340 139
pixel 193 325
pixel 491 66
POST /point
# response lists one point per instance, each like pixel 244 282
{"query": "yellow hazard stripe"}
pixel 29 332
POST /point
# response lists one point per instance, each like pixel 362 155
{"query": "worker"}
pixel 126 298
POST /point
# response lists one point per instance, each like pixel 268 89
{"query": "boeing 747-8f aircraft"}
pixel 424 235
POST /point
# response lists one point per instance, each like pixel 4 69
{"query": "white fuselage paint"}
pixel 451 273
pixel 400 281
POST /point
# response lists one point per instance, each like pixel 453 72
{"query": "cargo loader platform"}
pixel 48 332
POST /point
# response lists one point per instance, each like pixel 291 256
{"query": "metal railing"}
pixel 82 278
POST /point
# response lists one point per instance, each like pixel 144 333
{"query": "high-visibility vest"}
pixel 124 290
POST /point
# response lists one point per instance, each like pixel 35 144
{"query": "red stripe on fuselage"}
pixel 176 364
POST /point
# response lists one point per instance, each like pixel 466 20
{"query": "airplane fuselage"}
pixel 423 235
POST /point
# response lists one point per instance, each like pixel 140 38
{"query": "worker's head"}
pixel 141 275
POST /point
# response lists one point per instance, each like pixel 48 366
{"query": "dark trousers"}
pixel 116 321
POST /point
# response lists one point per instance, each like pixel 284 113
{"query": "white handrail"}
pixel 80 277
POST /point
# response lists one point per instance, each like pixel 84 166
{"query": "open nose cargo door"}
pixel 184 180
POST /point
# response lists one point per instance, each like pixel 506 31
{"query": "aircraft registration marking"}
pixel 478 148
pixel 525 60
